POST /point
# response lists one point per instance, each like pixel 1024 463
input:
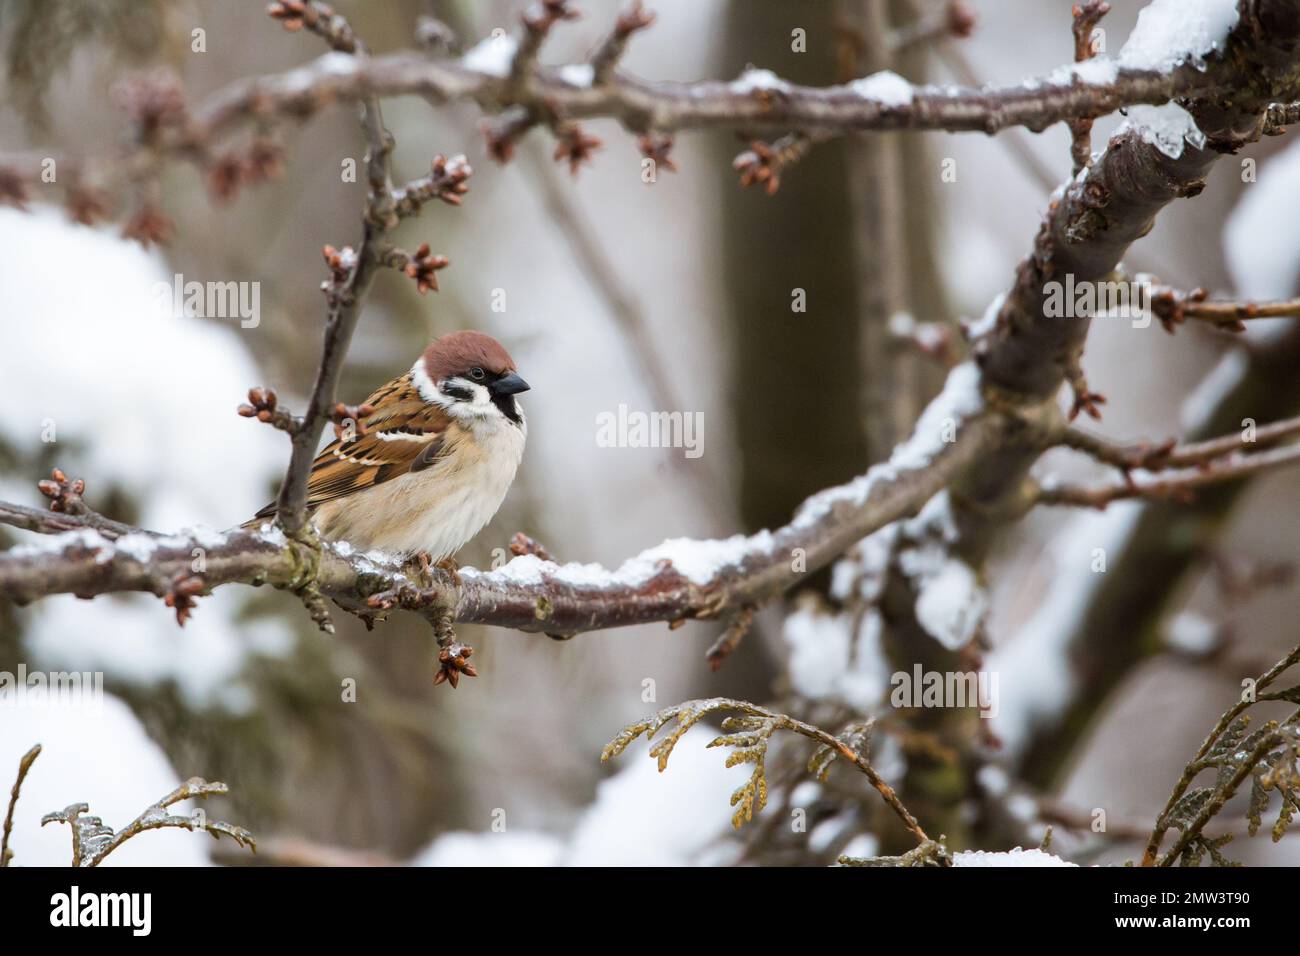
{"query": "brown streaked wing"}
pixel 404 433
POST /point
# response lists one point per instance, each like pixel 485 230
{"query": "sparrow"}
pixel 431 460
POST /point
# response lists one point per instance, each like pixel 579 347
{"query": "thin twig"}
pixel 764 163
pixel 51 522
pixel 1086 17
pixel 1171 484
pixel 1173 307
pixel 1168 454
pixel 345 301
pixel 24 765
pixel 952 19
pixel 606 58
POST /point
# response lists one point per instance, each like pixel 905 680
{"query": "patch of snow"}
pixel 87 538
pixel 989 320
pixel 865 566
pixel 116 431
pixel 643 818
pixel 1097 71
pixel 805 794
pixel 754 80
pixel 1016 857
pixel 1260 243
pixel 1036 683
pixel 993 779
pixel 526 569
pixel 506 848
pixel 902 325
pixel 886 87
pixel 1021 807
pixel 492 56
pixel 959 400
pixel 207 537
pixel 578 74
pixel 938 426
pixel 1171 32
pixel 826 662
pixel 700 561
pixel 1166 127
pixel 1192 634
pixel 827 831
pixel 336 63
pixel 109 762
pixel 137 546
pixel 951 603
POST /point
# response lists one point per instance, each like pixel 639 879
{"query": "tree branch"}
pixel 1173 307
pixel 528 594
pixel 1026 356
pixel 1174 484
pixel 1122 624
pixel 345 298
pixel 770 106
pixel 24 765
pixel 1171 455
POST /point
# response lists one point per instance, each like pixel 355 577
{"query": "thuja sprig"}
pixel 748 731
pixel 92 840
pixel 1267 757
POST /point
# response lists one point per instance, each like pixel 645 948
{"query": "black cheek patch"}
pixel 507 406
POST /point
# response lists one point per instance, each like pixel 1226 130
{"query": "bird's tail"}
pixel 260 518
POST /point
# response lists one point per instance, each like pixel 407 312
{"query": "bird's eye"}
pixel 477 374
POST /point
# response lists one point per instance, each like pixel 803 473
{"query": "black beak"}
pixel 510 384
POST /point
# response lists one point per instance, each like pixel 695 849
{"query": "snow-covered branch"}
pixel 1153 159
pixel 501 76
pixel 675 581
pixel 1022 357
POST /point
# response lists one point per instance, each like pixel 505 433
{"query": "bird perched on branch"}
pixel 427 459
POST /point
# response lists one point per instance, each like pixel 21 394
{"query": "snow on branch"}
pixel 755 101
pixel 1024 352
pixel 501 75
pixel 982 451
pixel 675 581
pixel 1151 161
